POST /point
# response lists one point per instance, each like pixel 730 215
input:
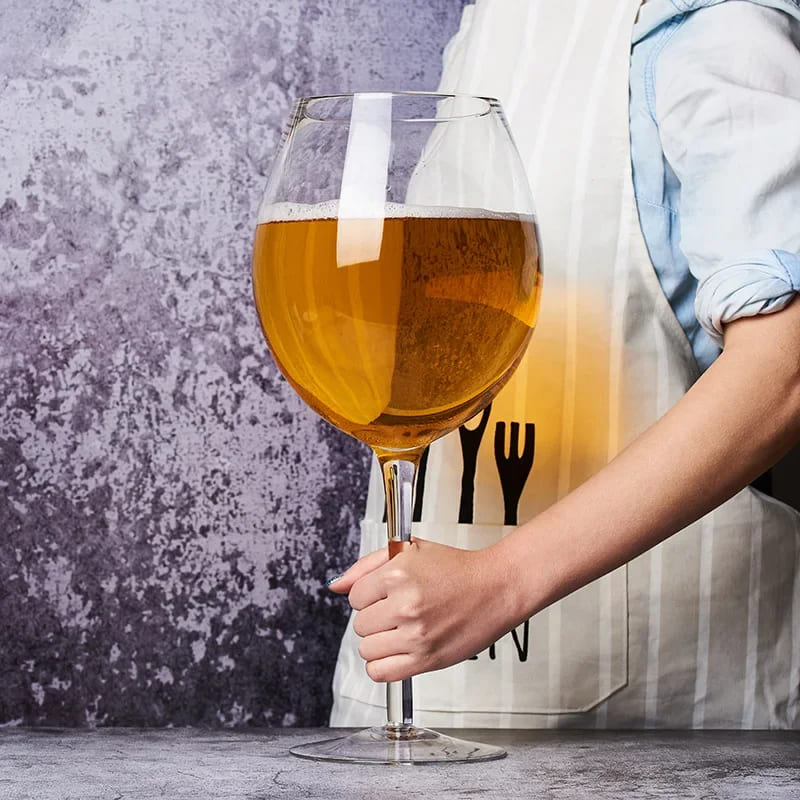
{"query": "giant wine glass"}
pixel 397 278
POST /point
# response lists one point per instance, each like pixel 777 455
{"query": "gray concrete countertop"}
pixel 187 764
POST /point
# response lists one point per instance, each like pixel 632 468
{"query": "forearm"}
pixel 736 421
pixel 432 605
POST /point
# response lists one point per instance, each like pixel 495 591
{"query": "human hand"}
pixel 428 607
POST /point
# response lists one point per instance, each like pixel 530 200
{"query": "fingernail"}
pixel 333 579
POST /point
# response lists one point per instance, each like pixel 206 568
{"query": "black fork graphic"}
pixel 522 649
pixel 515 467
pixel 470 444
pixel 416 514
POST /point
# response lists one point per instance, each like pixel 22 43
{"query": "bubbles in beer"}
pixel 287 212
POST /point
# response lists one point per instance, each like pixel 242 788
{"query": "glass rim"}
pixel 302 105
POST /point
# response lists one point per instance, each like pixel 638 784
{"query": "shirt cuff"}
pixel 760 285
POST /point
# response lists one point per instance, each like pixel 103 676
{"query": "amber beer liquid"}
pixel 398 329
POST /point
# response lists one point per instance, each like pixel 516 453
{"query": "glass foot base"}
pixel 392 746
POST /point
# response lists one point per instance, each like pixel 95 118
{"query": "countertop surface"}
pixel 192 764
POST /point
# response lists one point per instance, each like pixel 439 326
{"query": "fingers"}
pixel 362 567
pixel 381 645
pixel 393 668
pixel 367 590
pixel 374 619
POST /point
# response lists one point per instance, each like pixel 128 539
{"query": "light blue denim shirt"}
pixel 715 145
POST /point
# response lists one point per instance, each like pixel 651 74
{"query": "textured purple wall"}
pixel 168 507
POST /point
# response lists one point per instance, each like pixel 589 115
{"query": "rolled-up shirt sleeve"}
pixel 727 103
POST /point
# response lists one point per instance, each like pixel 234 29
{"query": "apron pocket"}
pixel 566 659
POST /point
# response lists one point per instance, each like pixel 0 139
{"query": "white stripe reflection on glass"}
pixel 362 198
pixel 703 620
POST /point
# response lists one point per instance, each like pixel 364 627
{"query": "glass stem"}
pixel 398 477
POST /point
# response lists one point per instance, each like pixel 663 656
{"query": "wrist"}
pixel 526 577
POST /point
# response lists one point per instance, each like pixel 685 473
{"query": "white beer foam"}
pixel 288 212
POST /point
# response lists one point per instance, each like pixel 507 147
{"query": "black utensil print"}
pixel 513 468
pixel 416 514
pixel 522 649
pixel 470 444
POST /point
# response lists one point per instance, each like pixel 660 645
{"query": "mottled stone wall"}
pixel 168 508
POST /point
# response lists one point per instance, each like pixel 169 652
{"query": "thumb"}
pixel 366 564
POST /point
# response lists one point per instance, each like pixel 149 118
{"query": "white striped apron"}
pixel 704 629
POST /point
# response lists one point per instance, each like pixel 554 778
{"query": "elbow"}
pixel 765 352
pixel 793 398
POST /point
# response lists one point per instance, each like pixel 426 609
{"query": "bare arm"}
pixel 433 606
pixel 739 418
